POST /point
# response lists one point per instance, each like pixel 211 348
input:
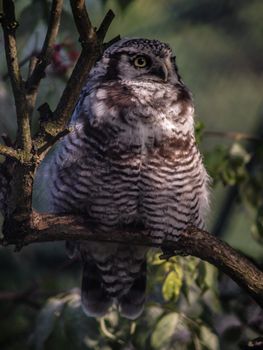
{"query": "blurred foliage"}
pixel 190 305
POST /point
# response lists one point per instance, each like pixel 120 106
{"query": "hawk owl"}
pixel 130 159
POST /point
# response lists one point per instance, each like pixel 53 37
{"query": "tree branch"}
pixel 105 24
pixel 194 242
pixel 22 62
pixel 9 152
pixel 82 20
pixel 92 48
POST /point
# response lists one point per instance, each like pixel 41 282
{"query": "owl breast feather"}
pixel 132 157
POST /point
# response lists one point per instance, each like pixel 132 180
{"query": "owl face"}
pixel 139 60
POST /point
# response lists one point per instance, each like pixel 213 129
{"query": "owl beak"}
pixel 163 72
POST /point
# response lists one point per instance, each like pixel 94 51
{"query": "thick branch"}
pixel 195 242
pixel 44 58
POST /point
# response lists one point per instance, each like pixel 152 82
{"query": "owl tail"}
pixel 132 304
pixel 95 300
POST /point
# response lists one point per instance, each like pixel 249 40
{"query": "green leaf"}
pixel 172 285
pixel 164 331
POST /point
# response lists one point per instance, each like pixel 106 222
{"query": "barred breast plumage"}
pixel 130 159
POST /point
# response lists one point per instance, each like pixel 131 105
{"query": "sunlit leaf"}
pixel 172 285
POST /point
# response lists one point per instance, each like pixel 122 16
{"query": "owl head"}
pixel 137 59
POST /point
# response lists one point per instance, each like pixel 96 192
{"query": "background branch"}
pixel 233 135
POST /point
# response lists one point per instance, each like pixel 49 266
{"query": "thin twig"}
pixel 52 140
pixel 111 42
pixel 22 63
pixel 44 58
pixel 105 24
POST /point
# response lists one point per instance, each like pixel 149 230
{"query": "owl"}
pixel 130 160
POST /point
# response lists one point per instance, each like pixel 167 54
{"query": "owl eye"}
pixel 140 62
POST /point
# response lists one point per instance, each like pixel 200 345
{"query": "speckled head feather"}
pixel 157 47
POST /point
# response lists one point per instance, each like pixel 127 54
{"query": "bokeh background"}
pixel 219 50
